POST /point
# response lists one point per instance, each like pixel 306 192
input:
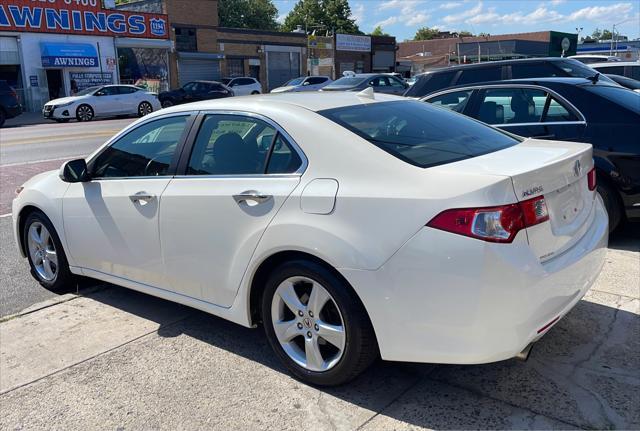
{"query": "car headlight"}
pixel 62 105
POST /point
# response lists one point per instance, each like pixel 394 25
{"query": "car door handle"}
pixel 142 196
pixel 251 195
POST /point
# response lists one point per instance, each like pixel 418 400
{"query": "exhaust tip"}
pixel 524 355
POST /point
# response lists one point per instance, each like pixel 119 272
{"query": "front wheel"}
pixel 144 108
pixel 316 325
pixel 84 113
pixel 46 256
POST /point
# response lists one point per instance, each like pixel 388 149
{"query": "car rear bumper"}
pixel 445 298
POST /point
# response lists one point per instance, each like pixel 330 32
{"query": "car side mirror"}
pixel 306 83
pixel 74 171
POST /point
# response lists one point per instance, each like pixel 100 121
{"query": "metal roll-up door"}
pixel 282 67
pixel 193 70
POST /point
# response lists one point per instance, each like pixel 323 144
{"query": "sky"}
pixel 401 18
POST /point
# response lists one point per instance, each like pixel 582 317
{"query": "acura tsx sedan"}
pixel 350 225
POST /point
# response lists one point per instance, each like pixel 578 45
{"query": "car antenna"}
pixel 367 92
pixel 594 78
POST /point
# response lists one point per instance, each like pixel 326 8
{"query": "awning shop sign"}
pixel 68 55
pixel 85 17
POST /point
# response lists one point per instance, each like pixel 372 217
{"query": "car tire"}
pixel 3 117
pixel 342 309
pixel 46 257
pixel 144 108
pixel 61 120
pixel 166 103
pixel 612 203
pixel 84 112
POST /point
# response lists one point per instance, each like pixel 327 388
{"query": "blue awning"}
pixel 68 55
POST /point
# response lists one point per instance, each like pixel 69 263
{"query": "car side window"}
pixel 230 145
pixel 512 105
pixel 316 80
pixel 456 101
pixel 283 158
pixel 533 70
pixel 107 91
pixel 557 112
pixel 482 74
pixel 145 151
pixel 190 86
pixel 395 82
pixel 126 90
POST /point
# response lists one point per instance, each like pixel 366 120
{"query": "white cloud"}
pixel 358 13
pixel 386 22
pixel 409 12
pixel 462 16
pixel 557 2
pixel 613 12
pixel 450 5
pixel 417 19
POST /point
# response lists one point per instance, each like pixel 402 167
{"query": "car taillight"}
pixel 13 93
pixel 591 179
pixel 493 224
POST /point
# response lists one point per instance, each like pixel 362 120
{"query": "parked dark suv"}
pixel 604 115
pixel 194 91
pixel 468 74
pixel 9 104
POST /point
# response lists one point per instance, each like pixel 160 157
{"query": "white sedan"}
pixel 102 101
pixel 351 225
pixel 304 83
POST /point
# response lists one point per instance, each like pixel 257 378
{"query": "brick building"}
pixel 428 54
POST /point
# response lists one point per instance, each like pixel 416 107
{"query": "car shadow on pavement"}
pixel 626 237
pixel 584 373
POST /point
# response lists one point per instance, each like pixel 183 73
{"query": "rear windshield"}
pixel 619 95
pixel 350 81
pixel 420 134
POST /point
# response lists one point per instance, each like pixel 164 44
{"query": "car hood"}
pixel 64 100
pixel 283 89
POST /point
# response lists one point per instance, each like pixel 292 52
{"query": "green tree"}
pixel 426 33
pixel 378 32
pixel 465 33
pixel 601 34
pixel 255 14
pixel 321 14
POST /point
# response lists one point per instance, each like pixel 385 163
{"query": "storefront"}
pixel 57 50
pixel 353 53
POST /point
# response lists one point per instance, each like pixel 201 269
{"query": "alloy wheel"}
pixel 85 113
pixel 145 108
pixel 42 251
pixel 308 324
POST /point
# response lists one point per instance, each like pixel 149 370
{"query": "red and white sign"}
pixel 85 17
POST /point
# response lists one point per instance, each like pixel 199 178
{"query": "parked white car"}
pixel 304 83
pixel 352 225
pixel 243 86
pixel 102 101
pixel 594 58
pixel 629 69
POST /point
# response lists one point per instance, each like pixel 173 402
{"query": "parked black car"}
pixel 9 104
pixel 380 82
pixel 567 109
pixel 629 83
pixel 468 74
pixel 194 91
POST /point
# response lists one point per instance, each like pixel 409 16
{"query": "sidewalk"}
pixel 26 119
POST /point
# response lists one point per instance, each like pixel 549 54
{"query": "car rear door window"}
pixel 283 158
pixel 456 100
pixel 539 69
pixel 512 105
pixel 481 74
pixel 556 112
pixel 314 80
pixel 418 133
pixel 230 145
pixel 147 150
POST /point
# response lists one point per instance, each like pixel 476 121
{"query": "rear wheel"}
pixel 144 108
pixel 166 103
pixel 84 113
pixel 612 203
pixel 46 256
pixel 255 92
pixel 316 325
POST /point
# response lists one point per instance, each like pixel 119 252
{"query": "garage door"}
pixel 193 70
pixel 281 67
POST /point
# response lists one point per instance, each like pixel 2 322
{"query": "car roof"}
pixel 569 81
pixel 615 64
pixel 312 101
pixel 494 63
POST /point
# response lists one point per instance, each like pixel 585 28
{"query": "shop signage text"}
pixel 350 42
pixel 79 17
pixel 84 80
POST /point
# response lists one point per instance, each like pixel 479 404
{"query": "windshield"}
pixel 420 134
pixel 619 95
pixel 347 81
pixel 89 90
pixel 294 81
pixel 578 70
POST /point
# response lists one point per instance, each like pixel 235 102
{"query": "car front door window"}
pixel 456 101
pixel 148 150
pixel 512 106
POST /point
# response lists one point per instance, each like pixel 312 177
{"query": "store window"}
pixel 144 67
pixel 235 67
pixel 186 39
